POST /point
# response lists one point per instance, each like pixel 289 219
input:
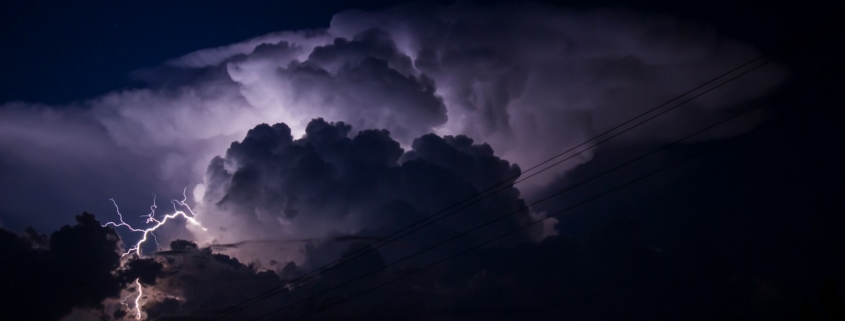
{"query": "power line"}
pixel 793 90
pixel 526 226
pixel 433 218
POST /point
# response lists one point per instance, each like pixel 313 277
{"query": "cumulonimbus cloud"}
pixel 410 104
pixel 528 79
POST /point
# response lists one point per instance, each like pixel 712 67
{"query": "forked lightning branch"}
pixel 190 216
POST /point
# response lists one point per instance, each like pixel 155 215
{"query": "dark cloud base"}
pixel 78 266
pixel 624 259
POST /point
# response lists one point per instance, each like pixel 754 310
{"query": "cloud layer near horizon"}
pixel 76 267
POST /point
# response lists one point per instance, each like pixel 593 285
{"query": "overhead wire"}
pixel 480 245
pixel 474 198
pixel 755 107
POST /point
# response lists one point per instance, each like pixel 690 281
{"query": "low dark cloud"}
pixel 615 274
pixel 76 267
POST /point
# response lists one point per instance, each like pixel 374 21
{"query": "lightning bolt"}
pixel 138 299
pixel 127 298
pixel 158 223
pixel 151 218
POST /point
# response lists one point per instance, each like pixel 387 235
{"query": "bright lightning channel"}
pixel 138 299
pixel 158 223
pixel 149 231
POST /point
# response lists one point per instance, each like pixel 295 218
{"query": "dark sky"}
pixel 750 230
pixel 59 52
pixel 106 40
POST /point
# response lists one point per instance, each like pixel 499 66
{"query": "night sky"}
pixel 375 160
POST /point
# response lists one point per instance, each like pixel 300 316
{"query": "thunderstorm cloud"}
pixel 299 147
pixel 528 79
